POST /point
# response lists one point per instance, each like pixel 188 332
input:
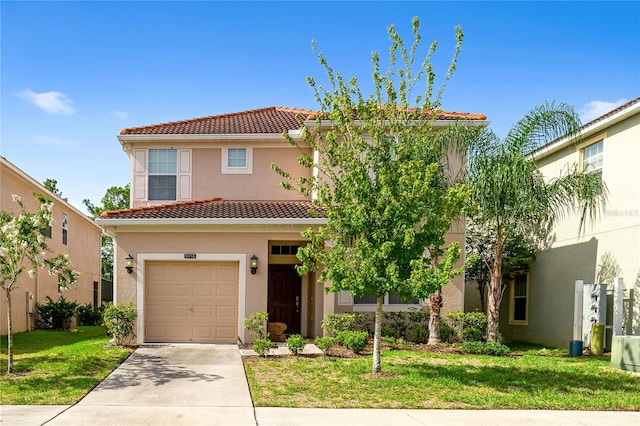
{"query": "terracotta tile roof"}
pixel 613 111
pixel 216 208
pixel 264 120
pixel 258 121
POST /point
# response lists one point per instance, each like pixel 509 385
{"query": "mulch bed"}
pixel 339 351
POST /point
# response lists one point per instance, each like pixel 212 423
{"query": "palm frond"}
pixel 543 124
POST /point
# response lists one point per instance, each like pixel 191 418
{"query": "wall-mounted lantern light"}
pixel 253 264
pixel 128 263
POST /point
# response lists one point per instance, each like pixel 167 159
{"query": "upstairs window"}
pixel 237 161
pixel 237 158
pixel 592 158
pixel 65 228
pixel 162 174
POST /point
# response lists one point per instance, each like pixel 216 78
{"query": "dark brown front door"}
pixel 285 297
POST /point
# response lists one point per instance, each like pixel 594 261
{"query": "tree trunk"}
pixel 435 304
pixel 495 293
pixel 9 335
pixel 377 332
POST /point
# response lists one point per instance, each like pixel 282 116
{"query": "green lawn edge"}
pixel 54 367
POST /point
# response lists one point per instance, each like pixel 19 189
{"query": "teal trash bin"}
pixel 575 348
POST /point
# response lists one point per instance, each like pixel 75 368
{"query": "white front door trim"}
pixel 141 258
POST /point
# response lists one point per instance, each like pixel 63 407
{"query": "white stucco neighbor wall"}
pixel 574 256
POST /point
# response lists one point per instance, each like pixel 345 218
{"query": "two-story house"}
pixel 71 233
pixel 539 305
pixel 211 235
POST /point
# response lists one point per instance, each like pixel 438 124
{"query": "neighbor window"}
pixel 65 228
pixel 592 158
pixel 237 160
pixel 162 174
pixel 519 303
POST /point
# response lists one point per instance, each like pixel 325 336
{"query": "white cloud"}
pixel 595 109
pixel 49 102
pixel 120 114
pixel 52 140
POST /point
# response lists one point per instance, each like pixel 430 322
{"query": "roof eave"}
pixel 588 130
pixel 195 137
pixel 108 222
pixel 46 192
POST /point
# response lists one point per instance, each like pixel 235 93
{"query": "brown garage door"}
pixel 191 302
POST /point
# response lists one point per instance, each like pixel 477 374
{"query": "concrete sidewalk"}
pixel 206 385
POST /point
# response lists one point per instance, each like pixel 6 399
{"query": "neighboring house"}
pixel 205 205
pixel 538 306
pixel 72 233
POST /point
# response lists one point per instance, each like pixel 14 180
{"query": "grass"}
pixel 56 367
pixel 535 378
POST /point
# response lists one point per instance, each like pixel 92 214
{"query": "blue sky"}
pixel 73 74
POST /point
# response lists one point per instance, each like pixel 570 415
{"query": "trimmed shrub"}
pixel 335 323
pixel 354 340
pixel 257 324
pixel 120 323
pixel 295 343
pixel 447 334
pixel 389 332
pixel 56 315
pixel 486 348
pixel 89 314
pixel 468 326
pixel 325 343
pixel 262 346
pixel 417 334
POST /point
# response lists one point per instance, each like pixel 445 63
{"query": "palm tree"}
pixel 510 197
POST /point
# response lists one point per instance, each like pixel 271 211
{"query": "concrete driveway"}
pixel 169 385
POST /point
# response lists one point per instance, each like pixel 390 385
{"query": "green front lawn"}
pixel 56 367
pixel 534 378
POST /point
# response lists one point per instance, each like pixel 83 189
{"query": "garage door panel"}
pixel 226 312
pixel 227 272
pixel 203 290
pixel 180 290
pixel 226 334
pixel 227 291
pixel 203 312
pixel 191 302
pixel 203 333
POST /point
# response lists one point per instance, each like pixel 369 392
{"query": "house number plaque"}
pixel 190 256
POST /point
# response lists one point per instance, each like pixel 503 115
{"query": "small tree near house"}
pixel 512 199
pixel 22 247
pixel 382 182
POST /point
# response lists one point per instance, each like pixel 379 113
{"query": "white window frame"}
pixel 65 229
pixel 512 300
pixel 150 174
pixel 591 143
pixel 247 170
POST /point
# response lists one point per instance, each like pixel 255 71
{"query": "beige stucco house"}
pixel 610 146
pixel 72 233
pixel 213 235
